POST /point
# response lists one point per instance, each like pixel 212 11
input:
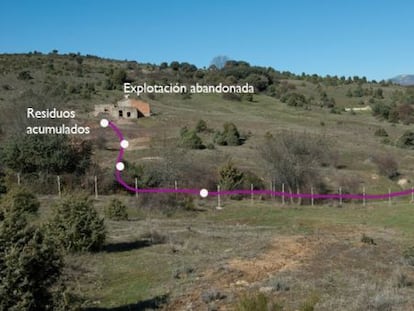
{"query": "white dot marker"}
pixel 204 193
pixel 124 144
pixel 120 166
pixel 104 122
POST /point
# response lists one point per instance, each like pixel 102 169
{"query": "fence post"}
pixel 412 194
pixel 218 198
pixel 18 179
pixel 312 198
pixel 271 189
pixel 96 186
pixel 136 187
pixel 364 201
pixel 58 184
pixel 389 196
pixel 340 196
pixel 251 194
pixel 283 194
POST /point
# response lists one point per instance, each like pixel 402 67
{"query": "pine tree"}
pixel 30 263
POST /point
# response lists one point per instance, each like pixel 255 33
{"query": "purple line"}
pixel 116 130
pixel 249 192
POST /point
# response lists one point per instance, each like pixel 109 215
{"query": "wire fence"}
pixel 107 185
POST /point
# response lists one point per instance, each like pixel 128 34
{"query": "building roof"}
pixel 140 105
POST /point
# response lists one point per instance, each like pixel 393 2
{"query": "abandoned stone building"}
pixel 124 109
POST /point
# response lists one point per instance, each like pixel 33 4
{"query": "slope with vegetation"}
pixel 293 133
pixel 282 101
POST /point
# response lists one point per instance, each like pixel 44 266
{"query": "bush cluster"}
pixel 116 210
pixel 387 165
pixel 77 226
pixel 381 132
pixel 230 135
pixel 30 261
pixel 406 141
pixel 190 140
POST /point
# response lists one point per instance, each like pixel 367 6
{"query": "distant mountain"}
pixel 403 79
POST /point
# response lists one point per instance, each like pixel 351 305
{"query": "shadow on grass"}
pixel 126 246
pixel 149 304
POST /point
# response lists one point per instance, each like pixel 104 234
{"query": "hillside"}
pixel 283 101
pixel 300 133
pixel 403 80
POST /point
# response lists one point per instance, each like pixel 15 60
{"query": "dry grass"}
pixel 295 261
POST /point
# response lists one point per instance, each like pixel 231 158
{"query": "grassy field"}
pixel 212 259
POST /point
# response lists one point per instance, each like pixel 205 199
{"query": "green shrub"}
pixel 248 97
pixel 148 175
pixel 3 187
pixel 358 92
pixel 21 200
pixel 231 134
pixel 201 126
pixel 335 110
pixel 187 203
pixel 219 138
pixel 116 210
pixel 230 178
pixel 251 178
pixel 257 302
pixel 190 140
pixel 52 154
pixel 108 85
pixel 408 255
pixel 310 303
pixel 295 100
pixel 406 141
pixel 77 226
pixel 381 132
pixel 210 146
pixel 118 77
pixel 24 75
pixel 378 93
pixel 229 137
pixel 386 141
pixel 381 110
pixel 367 240
pixel 30 263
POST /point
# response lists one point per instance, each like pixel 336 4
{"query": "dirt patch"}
pixel 240 274
pixel 284 253
pixel 134 144
pixel 139 143
pixel 330 262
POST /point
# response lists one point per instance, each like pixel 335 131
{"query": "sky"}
pixel 371 38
